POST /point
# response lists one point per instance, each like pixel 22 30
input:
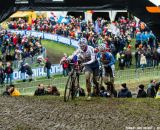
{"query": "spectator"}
pixel 48 67
pixel 9 72
pixel 64 64
pixel 6 93
pixel 158 94
pixel 40 90
pixel 2 74
pixel 52 90
pixel 13 91
pixel 23 72
pixel 124 92
pixel 111 90
pixel 143 61
pixel 141 92
pixel 28 71
pixel 151 92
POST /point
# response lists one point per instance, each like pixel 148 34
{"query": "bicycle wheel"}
pixel 67 92
pixel 74 87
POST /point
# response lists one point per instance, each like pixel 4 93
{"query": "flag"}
pixel 53 16
pixel 63 20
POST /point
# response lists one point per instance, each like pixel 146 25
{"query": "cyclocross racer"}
pixel 88 58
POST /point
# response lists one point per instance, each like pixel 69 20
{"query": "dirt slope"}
pixel 49 113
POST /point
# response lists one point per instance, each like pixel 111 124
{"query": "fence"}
pixel 128 76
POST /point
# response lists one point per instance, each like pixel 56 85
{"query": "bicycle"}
pixel 72 85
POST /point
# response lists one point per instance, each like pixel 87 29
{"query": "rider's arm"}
pixel 74 54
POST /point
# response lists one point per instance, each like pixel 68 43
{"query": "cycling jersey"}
pixel 107 59
pixel 88 56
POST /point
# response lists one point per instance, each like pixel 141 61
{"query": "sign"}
pixel 50 36
pixel 39 72
pixel 63 40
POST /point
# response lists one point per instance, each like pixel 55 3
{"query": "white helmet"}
pixel 102 47
pixel 82 41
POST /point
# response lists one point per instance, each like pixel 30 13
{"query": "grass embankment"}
pixel 56 50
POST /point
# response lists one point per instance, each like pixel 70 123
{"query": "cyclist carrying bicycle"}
pixel 88 58
pixel 108 63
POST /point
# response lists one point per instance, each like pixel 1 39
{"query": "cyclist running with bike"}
pixel 108 63
pixel 88 59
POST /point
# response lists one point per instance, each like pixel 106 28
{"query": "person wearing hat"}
pixel 108 63
pixel 124 92
pixel 141 92
pixel 88 58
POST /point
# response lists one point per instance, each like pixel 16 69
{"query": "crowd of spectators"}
pixel 152 90
pixel 18 47
pixel 116 35
pixel 51 90
pixel 15 49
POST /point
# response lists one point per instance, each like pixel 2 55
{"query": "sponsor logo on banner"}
pixel 37 34
pixel 63 40
pixel 50 36
pixel 17 32
pixel 28 33
pixel 74 43
pixel 39 72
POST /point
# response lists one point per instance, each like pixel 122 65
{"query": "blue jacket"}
pixel 109 58
pixel 138 37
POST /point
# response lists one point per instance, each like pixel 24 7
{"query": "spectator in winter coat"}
pixel 40 90
pixel 13 91
pixel 48 67
pixel 9 72
pixel 124 92
pixel 111 90
pixel 29 71
pixel 141 92
pixel 143 61
pixel 52 90
pixel 6 93
pixel 151 92
pixel 2 73
pixel 23 71
pixel 64 64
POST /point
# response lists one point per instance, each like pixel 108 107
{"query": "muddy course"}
pixel 51 113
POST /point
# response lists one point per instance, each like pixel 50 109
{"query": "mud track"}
pixel 50 113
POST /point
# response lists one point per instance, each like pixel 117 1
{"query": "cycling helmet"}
pixel 82 41
pixel 102 47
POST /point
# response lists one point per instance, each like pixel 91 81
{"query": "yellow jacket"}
pixel 158 94
pixel 15 93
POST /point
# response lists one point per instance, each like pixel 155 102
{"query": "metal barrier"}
pixel 121 76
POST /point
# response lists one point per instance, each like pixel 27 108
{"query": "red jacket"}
pixel 15 40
